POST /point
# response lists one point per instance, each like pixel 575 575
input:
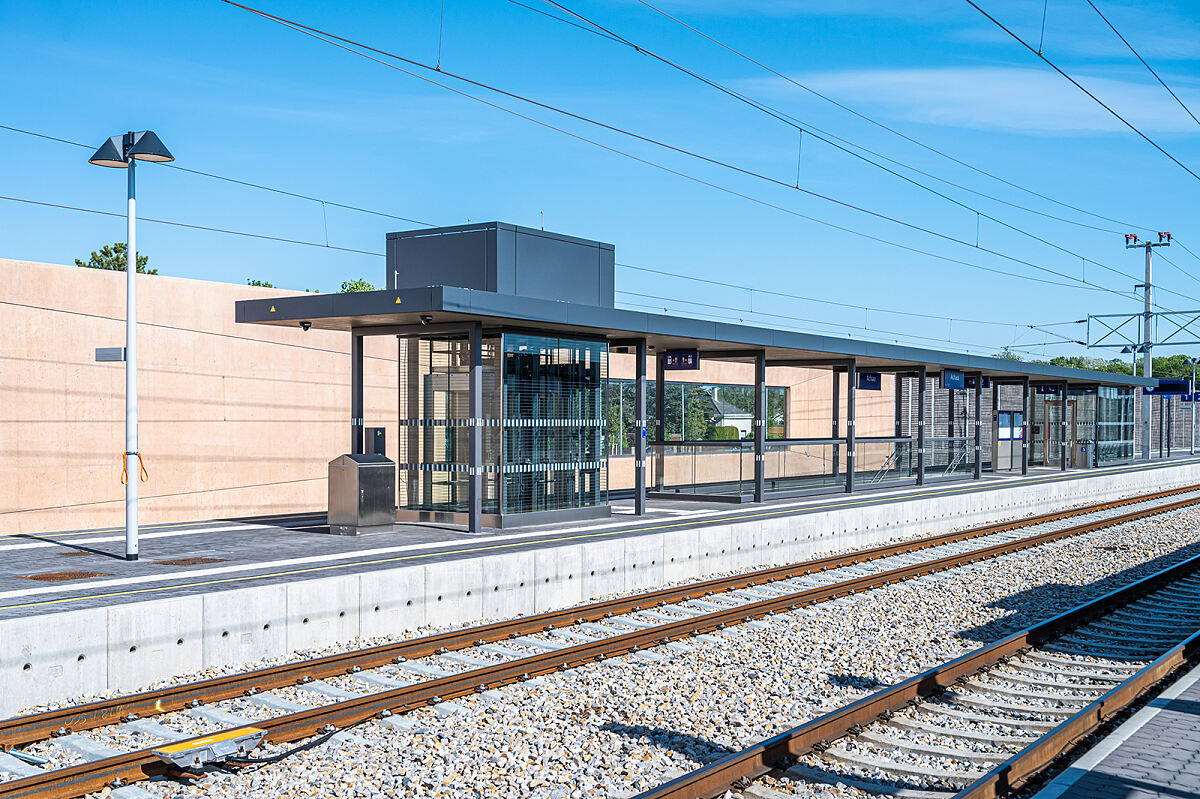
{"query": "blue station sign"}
pixel 870 381
pixel 952 379
pixel 1172 386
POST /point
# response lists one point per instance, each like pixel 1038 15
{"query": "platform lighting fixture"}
pixel 123 152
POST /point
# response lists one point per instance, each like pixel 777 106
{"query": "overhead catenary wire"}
pixel 831 139
pixel 905 136
pixel 350 46
pixel 172 223
pixel 802 126
pixel 691 278
pixel 792 318
pixel 1147 66
pixel 238 181
pixel 1081 88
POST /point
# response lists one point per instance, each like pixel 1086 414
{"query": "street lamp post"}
pixel 124 152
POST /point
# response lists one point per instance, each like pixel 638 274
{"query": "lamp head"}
pixel 144 146
pixel 111 153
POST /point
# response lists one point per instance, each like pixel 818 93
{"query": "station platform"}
pixel 75 617
pixel 1155 754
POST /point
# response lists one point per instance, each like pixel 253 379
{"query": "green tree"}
pixel 262 284
pixel 114 258
pixel 1007 354
pixel 358 284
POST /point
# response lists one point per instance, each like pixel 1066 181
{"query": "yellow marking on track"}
pixel 527 542
pixel 210 740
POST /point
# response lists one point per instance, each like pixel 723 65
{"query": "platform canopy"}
pixel 408 309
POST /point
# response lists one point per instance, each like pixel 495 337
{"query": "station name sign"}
pixel 953 379
pixel 675 360
pixel 1169 387
pixel 1047 388
pixel 870 381
pixel 987 382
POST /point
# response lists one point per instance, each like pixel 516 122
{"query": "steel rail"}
pixel 1035 758
pixel 85 778
pixel 717 777
pixel 22 730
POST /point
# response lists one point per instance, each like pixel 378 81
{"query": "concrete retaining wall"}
pixel 127 647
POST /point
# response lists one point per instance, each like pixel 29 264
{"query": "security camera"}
pixel 305 326
pixel 426 318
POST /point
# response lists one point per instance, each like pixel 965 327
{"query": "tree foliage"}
pixel 113 258
pixel 262 284
pixel 358 284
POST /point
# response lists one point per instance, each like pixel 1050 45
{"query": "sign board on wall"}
pixel 870 381
pixel 953 379
pixel 675 360
pixel 987 382
pixel 1169 386
pixel 1047 388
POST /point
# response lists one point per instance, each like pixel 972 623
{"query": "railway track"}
pixel 989 722
pixel 75 750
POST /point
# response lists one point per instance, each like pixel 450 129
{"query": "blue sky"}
pixel 243 97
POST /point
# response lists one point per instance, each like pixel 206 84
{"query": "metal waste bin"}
pixel 1082 456
pixel 362 493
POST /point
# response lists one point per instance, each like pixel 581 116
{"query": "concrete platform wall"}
pixel 127 647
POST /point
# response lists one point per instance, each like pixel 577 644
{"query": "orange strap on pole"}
pixel 142 473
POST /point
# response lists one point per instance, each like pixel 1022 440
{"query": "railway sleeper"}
pixel 992 689
pixel 807 773
pixel 980 701
pixel 883 740
pixel 904 770
pixel 916 725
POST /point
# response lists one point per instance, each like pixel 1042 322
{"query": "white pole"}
pixel 1193 387
pixel 132 461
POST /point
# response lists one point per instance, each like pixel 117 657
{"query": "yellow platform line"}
pixel 532 541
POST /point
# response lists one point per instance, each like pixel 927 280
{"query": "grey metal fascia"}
pixel 452 299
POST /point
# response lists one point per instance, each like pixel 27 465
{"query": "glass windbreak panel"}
pixel 1082 416
pixel 882 461
pixel 1114 423
pixel 620 411
pixel 951 457
pixel 555 418
pixel 703 469
pixel 1038 428
pixel 707 411
pixel 434 413
pixel 790 467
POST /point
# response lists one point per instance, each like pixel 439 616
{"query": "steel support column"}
pixel 835 427
pixel 639 429
pixel 1062 436
pixel 760 425
pixel 851 388
pixel 1024 425
pixel 660 407
pixel 475 432
pixel 979 428
pixel 921 392
pixel 356 393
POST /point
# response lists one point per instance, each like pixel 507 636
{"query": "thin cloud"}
pixel 1015 99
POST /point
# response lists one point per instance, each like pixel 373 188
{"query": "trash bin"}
pixel 362 493
pixel 1082 455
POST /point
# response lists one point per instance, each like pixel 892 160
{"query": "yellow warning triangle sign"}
pixel 397 300
pixel 272 309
